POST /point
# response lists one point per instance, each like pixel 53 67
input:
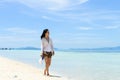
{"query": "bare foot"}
pixel 48 74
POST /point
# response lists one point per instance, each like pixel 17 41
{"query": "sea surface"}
pixel 73 65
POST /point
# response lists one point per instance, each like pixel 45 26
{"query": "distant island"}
pixel 22 48
pixel 105 49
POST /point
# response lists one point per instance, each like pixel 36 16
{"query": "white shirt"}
pixel 46 46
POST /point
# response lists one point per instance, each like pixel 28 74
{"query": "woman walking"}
pixel 47 50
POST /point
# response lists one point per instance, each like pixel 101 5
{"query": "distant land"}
pixel 105 49
pixel 23 48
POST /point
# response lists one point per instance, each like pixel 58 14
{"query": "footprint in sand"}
pixel 15 76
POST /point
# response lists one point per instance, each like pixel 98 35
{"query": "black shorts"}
pixel 47 54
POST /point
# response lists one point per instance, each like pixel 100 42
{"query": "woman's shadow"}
pixel 54 76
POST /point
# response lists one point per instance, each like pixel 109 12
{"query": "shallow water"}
pixel 74 65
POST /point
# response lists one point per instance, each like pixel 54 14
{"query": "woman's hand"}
pixel 41 55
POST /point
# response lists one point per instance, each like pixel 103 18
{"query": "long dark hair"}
pixel 43 34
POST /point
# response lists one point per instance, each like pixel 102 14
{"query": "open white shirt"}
pixel 46 46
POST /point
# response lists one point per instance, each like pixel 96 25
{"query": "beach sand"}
pixel 14 70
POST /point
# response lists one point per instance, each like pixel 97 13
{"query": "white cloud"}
pixel 54 5
pixel 21 30
pixel 85 28
pixel 84 42
pixel 112 27
pixel 15 39
pixel 89 16
pixel 46 17
pixel 49 18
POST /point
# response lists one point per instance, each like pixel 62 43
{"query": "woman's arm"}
pixel 42 46
pixel 52 47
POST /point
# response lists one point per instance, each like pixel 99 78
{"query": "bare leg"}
pixel 47 64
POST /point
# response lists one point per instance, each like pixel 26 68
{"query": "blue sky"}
pixel 72 23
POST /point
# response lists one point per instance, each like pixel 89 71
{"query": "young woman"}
pixel 47 50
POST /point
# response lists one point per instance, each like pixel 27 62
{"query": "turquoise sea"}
pixel 73 65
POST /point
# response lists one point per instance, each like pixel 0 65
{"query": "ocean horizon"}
pixel 100 49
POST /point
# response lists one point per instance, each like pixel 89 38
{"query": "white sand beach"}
pixel 14 70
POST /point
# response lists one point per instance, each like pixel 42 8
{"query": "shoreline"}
pixel 15 70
